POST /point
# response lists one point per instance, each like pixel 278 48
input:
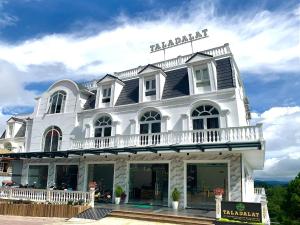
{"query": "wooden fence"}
pixel 41 210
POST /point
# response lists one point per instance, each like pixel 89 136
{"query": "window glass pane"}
pixel 205 75
pixel 214 112
pixel 37 176
pixel 198 75
pixel 153 84
pixel 107 131
pixel 48 141
pixel 198 124
pixel 144 128
pixel 104 92
pixel 55 141
pixel 98 132
pixel 208 108
pixel 59 104
pixel 147 85
pixel 109 92
pixel 53 103
pixel 155 128
pixel 212 123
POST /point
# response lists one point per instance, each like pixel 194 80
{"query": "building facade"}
pixel 181 123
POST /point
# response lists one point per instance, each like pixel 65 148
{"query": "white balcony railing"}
pixel 222 135
pixel 46 195
pixel 166 64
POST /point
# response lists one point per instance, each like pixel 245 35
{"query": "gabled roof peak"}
pixel 198 53
pixel 111 76
pixel 148 66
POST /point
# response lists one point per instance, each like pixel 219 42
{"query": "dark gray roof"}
pixel 90 103
pixel 129 93
pixel 3 135
pixel 225 76
pixel 21 131
pixel 177 84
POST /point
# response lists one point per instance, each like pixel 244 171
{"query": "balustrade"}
pixel 221 135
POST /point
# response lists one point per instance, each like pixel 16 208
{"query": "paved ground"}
pixel 110 221
pixel 24 220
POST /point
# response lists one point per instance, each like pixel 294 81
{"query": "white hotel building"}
pixel 181 123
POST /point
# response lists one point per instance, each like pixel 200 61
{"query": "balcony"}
pixel 247 134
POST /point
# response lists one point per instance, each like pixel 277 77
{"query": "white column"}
pixel 114 129
pixel 218 206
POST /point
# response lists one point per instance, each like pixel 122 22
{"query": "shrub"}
pixel 119 191
pixel 175 195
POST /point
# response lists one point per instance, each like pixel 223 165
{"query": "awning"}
pixel 135 150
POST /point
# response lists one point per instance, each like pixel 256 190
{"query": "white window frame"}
pixel 107 91
pixel 150 122
pixel 151 88
pixel 51 129
pixel 205 117
pixel 103 127
pixel 63 103
pixel 202 82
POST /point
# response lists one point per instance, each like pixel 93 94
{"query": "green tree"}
pixel 292 203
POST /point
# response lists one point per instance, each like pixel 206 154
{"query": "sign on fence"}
pixel 241 211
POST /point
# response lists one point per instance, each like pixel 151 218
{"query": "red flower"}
pixel 218 191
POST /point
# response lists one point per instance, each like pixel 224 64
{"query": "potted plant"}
pixel 118 193
pixel 175 198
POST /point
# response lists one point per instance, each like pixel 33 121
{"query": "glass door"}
pixel 148 184
pixel 202 179
pixel 66 177
pixel 103 176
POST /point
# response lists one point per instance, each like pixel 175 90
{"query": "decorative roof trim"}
pixel 148 66
pixel 111 76
pixel 198 53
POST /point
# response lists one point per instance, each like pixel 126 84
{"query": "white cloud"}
pixel 282 134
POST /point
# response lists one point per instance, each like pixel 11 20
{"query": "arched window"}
pixel 205 117
pixel 150 122
pixel 57 102
pixel 52 139
pixel 103 127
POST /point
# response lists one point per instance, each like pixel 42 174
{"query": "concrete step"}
pixel 167 218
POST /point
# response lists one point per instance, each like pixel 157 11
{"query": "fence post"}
pixel 92 197
pixel 48 195
pixel 264 210
pixel 218 206
pixel 10 193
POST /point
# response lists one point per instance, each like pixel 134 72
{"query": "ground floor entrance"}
pixel 66 177
pixel 102 175
pixel 148 183
pixel 201 180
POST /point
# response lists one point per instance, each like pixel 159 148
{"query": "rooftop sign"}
pixel 178 41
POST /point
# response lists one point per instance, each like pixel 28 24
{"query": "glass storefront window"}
pixel 202 179
pixel 66 177
pixel 149 184
pixel 38 176
pixel 103 176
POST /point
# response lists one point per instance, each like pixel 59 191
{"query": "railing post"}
pixel 92 197
pixel 10 193
pixel 264 210
pixel 48 195
pixel 218 206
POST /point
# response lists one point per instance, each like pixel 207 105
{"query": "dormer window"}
pixel 106 94
pixel 150 86
pixel 202 77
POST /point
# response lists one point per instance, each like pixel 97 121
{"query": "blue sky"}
pixel 43 41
